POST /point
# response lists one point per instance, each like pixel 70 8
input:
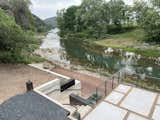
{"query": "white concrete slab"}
pixel 106 111
pixel 156 113
pixel 123 88
pixel 158 102
pixel 139 101
pixel 114 97
pixel 135 117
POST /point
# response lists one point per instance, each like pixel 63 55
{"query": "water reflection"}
pixel 75 52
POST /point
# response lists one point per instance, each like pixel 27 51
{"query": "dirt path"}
pixel 14 77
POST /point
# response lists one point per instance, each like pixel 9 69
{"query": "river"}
pixel 71 52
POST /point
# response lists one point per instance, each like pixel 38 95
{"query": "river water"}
pixel 76 53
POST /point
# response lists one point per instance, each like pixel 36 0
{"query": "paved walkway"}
pixel 128 103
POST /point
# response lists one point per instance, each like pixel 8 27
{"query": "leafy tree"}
pixel 60 22
pixel 129 16
pixel 70 18
pixel 156 3
pixel 14 42
pixel 140 8
pixel 90 14
pixel 148 18
pixel 117 8
pixel 151 25
pixel 97 18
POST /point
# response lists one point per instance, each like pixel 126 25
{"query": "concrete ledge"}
pixel 56 102
pixel 49 86
pixel 40 67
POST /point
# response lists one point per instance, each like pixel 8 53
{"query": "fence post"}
pixel 96 94
pixel 29 86
pixel 155 85
pixel 137 80
pixel 118 77
pixel 105 88
pixel 112 82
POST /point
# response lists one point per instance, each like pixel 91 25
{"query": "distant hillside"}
pixel 40 24
pixel 51 22
pixel 19 9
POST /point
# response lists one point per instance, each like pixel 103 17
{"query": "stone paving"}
pixel 127 103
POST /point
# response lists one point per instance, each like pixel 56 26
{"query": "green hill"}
pixel 51 22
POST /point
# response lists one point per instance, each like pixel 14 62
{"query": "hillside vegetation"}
pixel 17 32
pixel 19 9
pixel 130 41
pixel 98 19
pixel 127 39
pixel 52 22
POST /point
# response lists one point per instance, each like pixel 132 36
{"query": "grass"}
pixel 123 40
pixel 128 42
pixel 136 34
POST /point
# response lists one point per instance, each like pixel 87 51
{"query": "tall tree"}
pixel 156 3
pixel 140 8
pixel 117 9
pixel 151 25
pixel 91 17
pixel 70 18
pixel 148 18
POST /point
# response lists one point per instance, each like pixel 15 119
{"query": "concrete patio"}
pixel 127 103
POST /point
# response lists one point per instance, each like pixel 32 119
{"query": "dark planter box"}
pixel 65 84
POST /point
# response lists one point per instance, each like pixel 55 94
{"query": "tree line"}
pixel 97 18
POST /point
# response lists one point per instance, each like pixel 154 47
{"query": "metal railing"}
pixel 142 81
pixel 107 86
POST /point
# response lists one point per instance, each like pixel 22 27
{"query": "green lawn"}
pixel 131 38
pixel 136 34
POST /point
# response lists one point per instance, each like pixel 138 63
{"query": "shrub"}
pixel 14 41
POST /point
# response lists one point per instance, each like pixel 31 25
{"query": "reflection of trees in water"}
pixel 87 55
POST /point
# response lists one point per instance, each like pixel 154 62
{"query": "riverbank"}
pixel 32 57
pixel 131 41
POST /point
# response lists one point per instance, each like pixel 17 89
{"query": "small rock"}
pixel 109 50
pixel 48 65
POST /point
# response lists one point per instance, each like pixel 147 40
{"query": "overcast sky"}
pixel 48 8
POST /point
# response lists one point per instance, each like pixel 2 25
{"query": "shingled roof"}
pixel 31 106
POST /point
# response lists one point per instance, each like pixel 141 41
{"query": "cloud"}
pixel 48 8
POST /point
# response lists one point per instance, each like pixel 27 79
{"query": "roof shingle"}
pixel 31 106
